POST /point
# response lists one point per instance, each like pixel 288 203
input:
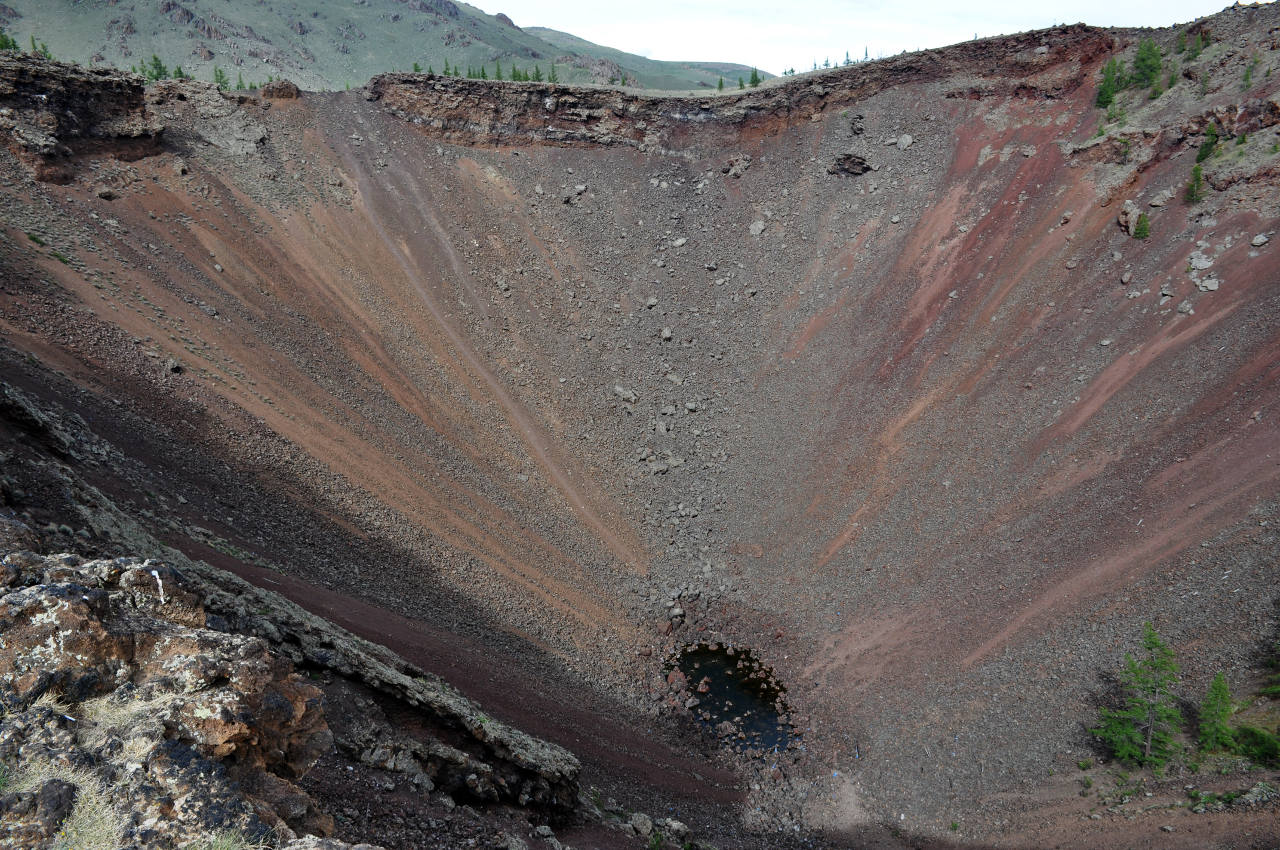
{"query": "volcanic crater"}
pixel 862 371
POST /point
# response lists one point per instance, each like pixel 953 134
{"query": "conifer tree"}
pixel 1141 731
pixel 220 78
pixel 537 74
pixel 497 70
pixel 1215 734
pixel 1209 144
pixel 1142 227
pixel 1112 82
pixel 1195 188
pixel 1146 65
pixel 551 75
pixel 720 85
pixel 755 78
pixel 155 69
pixel 741 84
pixel 7 42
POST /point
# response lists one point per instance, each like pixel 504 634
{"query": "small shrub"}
pixel 1258 745
pixel 1142 229
pixel 1210 143
pixel 1195 188
pixel 1215 734
pixel 1084 764
pixel 955 826
pixel 36 239
pixel 1247 82
pixel 1242 138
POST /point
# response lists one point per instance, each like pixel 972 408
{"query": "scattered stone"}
pixel 1127 218
pixel 1186 309
pixel 1260 240
pixel 1209 284
pixel 1161 198
pixel 737 165
pixel 106 193
pixel 1261 792
pixel 1199 262
pixel 629 396
pixel 904 141
pixel 280 90
pixel 849 163
pixel 679 243
pixel 642 824
pixel 757 227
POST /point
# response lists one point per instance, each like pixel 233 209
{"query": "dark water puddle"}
pixel 738 698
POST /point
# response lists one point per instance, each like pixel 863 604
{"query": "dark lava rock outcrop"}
pixel 50 110
pixel 150 706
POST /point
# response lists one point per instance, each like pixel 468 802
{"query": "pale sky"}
pixel 781 34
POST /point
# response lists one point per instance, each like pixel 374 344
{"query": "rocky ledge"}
pixel 151 706
pixel 1041 64
pixel 51 110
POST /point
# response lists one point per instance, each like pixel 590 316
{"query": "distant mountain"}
pixel 330 43
pixel 651 73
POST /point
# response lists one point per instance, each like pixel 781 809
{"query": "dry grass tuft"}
pixel 94 823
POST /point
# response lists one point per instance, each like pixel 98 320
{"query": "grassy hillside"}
pixel 329 43
pixel 650 73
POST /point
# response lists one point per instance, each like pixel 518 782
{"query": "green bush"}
pixel 1258 745
pixel 1210 143
pixel 1142 228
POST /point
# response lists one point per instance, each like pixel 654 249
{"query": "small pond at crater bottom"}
pixel 732 686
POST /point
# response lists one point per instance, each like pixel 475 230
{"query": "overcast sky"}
pixel 780 34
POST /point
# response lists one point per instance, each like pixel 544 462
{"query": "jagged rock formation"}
pixel 152 706
pixel 474 112
pixel 538 384
pixel 48 110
